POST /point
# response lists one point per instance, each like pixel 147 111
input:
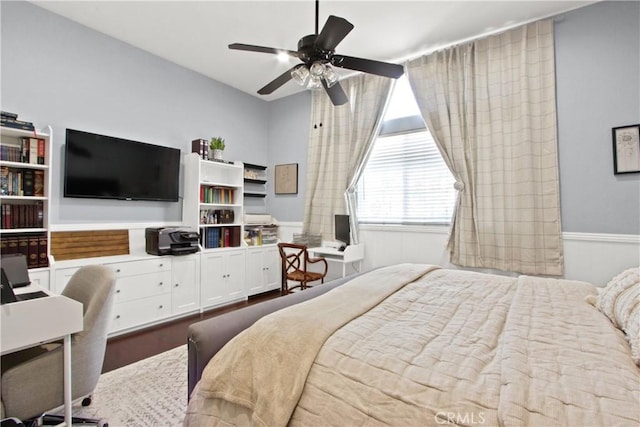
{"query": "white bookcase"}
pixel 25 209
pixel 213 205
pixel 213 202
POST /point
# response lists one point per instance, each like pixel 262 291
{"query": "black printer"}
pixel 171 241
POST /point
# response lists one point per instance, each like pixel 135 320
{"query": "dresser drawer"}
pixel 132 288
pixel 133 268
pixel 139 312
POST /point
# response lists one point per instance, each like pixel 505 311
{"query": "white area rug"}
pixel 151 392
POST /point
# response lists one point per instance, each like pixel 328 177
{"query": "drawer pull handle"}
pixel 118 316
pixel 177 284
pixel 118 270
pixel 161 265
pixel 117 291
pixel 160 283
pixel 161 306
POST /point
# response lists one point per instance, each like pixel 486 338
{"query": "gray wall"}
pixel 288 137
pixel 63 74
pixel 57 72
pixel 598 87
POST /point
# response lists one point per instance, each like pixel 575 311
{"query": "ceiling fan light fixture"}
pixel 330 76
pixel 300 75
pixel 317 69
pixel 314 82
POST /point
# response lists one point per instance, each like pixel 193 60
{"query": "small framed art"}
pixel 287 179
pixel 626 149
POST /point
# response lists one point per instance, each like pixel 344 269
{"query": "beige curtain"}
pixel 490 105
pixel 339 139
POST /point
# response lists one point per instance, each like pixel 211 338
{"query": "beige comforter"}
pixel 448 347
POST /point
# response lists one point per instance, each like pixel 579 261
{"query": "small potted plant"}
pixel 217 145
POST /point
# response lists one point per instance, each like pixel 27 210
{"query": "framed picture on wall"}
pixel 626 149
pixel 286 179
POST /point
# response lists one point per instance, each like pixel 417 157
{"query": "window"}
pixel 405 180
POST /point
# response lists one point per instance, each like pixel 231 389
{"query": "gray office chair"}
pixel 32 379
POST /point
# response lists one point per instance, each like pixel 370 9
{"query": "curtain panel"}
pixel 490 105
pixel 339 140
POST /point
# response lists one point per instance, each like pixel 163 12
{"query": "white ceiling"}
pixel 195 34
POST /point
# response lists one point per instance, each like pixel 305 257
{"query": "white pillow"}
pixel 620 302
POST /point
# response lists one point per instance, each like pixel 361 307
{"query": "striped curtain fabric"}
pixel 339 141
pixel 490 105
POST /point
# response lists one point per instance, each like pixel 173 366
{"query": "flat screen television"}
pixel 105 167
pixel 342 230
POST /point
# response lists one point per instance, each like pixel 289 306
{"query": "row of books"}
pixel 216 194
pixel 21 182
pixel 22 216
pixel 30 150
pixel 33 247
pixel 10 120
pixel 220 237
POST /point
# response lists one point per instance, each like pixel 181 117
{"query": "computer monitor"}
pixel 342 229
pixel 15 267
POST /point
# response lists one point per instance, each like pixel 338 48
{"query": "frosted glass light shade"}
pixel 300 74
pixel 314 82
pixel 330 76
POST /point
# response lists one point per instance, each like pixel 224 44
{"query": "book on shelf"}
pixel 27 182
pixel 41 150
pixel 34 248
pixel 11 245
pixel 4 181
pixel 16 124
pixel 43 259
pixel 23 246
pixel 8 115
pixel 201 147
pixel 33 151
pixel 38 183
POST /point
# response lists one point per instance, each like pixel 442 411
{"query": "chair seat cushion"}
pixel 301 276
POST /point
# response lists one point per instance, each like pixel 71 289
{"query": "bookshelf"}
pixel 213 202
pixel 25 177
pixel 255 178
pixel 213 205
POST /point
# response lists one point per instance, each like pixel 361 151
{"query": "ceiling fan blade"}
pixel 277 82
pixel 333 32
pixel 336 93
pixel 262 49
pixel 370 66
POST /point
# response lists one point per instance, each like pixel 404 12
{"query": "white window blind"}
pixel 405 181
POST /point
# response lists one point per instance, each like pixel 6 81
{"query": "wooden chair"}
pixel 295 263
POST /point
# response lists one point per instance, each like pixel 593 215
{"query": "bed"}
pixel 416 344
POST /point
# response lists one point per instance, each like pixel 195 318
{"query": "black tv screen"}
pixel 104 167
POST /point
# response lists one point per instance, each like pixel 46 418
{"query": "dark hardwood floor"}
pixel 129 348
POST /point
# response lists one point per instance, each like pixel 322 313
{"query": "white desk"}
pixel 351 254
pixel 29 323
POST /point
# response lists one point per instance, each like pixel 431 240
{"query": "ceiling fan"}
pixel 317 53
